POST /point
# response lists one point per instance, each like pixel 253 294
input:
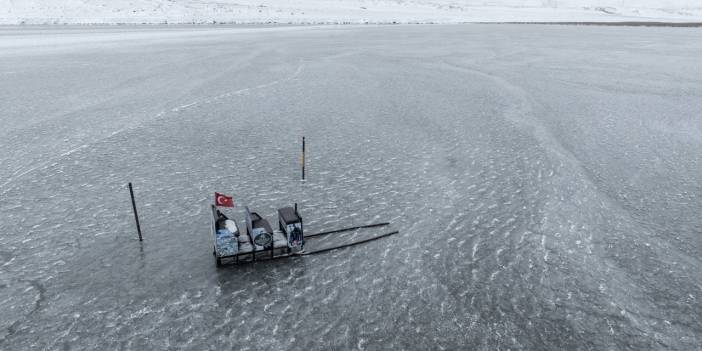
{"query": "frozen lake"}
pixel 546 182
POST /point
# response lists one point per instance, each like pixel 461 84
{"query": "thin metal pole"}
pixel 136 215
pixel 303 158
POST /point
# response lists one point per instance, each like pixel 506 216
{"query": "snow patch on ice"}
pixel 340 11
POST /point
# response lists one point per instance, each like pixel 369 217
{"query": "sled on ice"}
pixel 258 239
pixel 259 242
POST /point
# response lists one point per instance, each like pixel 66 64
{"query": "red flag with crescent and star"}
pixel 223 200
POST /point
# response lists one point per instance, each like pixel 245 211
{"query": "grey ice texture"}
pixel 545 180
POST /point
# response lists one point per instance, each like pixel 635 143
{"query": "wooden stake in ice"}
pixel 303 158
pixel 136 215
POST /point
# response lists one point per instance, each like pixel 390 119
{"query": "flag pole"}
pixel 136 215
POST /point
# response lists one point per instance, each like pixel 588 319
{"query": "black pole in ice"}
pixel 136 216
pixel 303 158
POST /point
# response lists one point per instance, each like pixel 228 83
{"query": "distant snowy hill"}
pixel 343 11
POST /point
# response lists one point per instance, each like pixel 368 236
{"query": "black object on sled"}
pixel 290 223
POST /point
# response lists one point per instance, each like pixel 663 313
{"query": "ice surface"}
pixel 545 181
pixel 343 11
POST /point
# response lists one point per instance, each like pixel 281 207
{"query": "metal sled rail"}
pixel 346 245
pixel 382 224
pixel 318 251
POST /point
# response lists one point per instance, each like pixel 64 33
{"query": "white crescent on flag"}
pixel 223 200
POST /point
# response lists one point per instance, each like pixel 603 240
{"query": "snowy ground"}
pixel 345 11
pixel 546 184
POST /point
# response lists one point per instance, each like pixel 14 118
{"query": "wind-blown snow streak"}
pixel 343 11
pixel 4 187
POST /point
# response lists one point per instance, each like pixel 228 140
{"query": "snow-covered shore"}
pixel 344 11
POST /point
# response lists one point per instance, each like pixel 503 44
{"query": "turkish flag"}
pixel 223 200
